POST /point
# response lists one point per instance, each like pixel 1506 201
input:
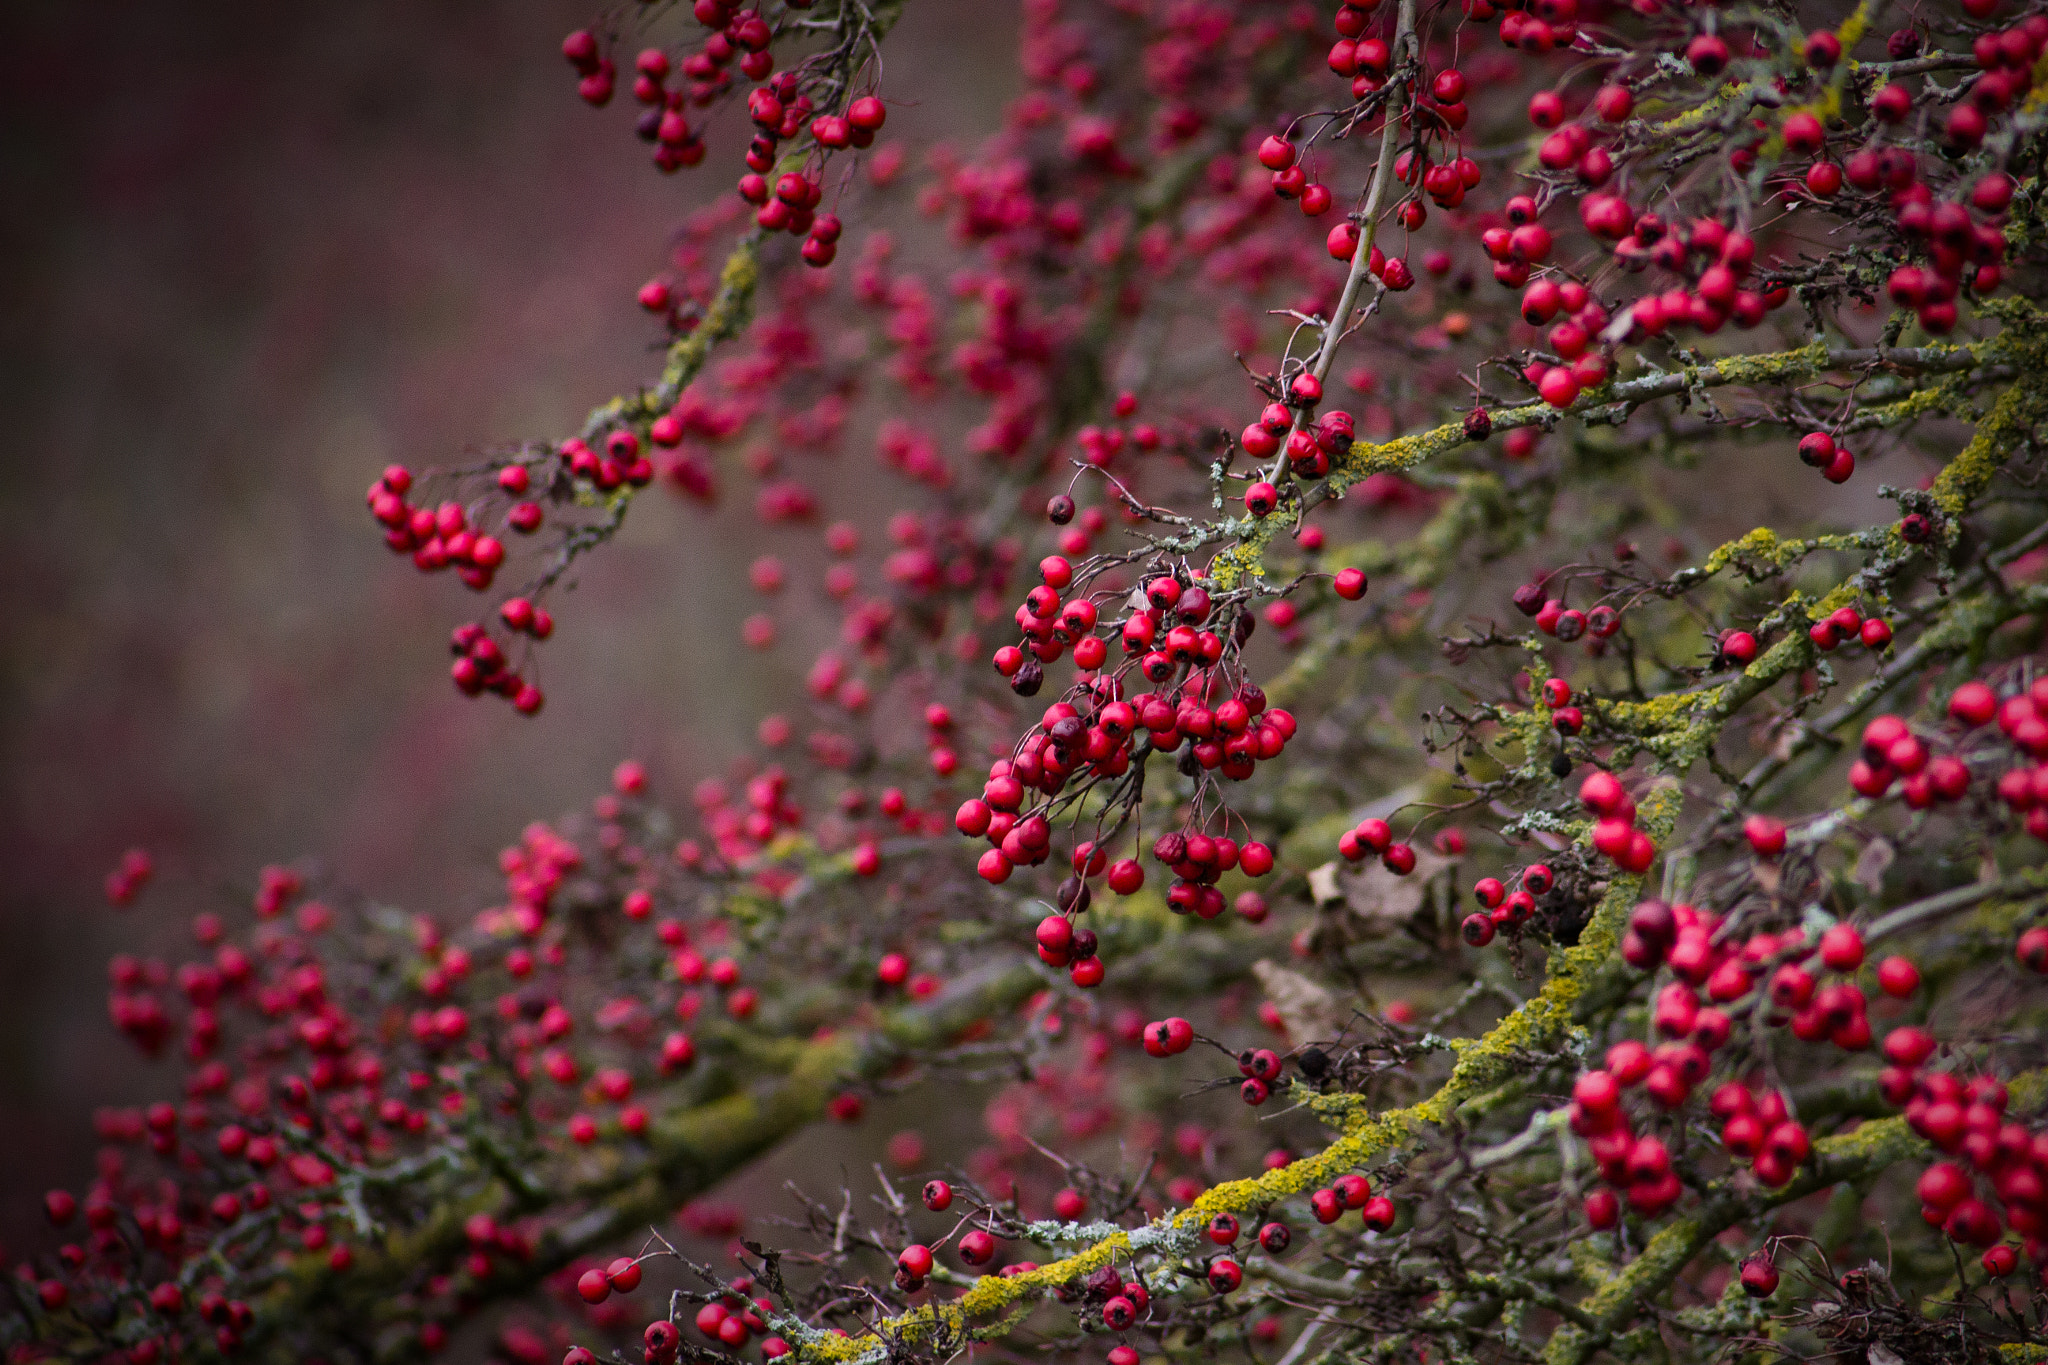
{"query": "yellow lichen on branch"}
pixel 1244 558
pixel 732 307
pixel 1541 1022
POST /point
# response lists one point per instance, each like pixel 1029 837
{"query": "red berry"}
pixel 1841 947
pixel 1898 977
pixel 1603 1210
pixel 1759 1277
pixel 1973 704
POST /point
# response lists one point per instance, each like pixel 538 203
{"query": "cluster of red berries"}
pixel 1891 754
pixel 1261 1067
pixel 975 1248
pixel 1517 247
pixel 1198 861
pixel 623 463
pixel 790 205
pixel 449 535
pixel 1353 1192
pixel 731 1319
pixel 1712 259
pixel 1567 623
pixel 598 73
pixel 1846 625
pixel 742 34
pixel 1101 444
pixel 1504 910
pixel 738 832
pixel 1060 944
pixel 1958 250
pixel 1123 1304
pixel 1096 734
pixel 1756 1127
pixel 1310 444
pixel 480 666
pixel 1375 836
pixel 1565 718
pixel 663 123
pixel 129 876
pixel 1682 937
pixel 1578 317
pixel 1290 179
pixel 437 537
pixel 2023 720
pixel 779 108
pixel 1961 251
pixel 1967 1119
pixel 1614 827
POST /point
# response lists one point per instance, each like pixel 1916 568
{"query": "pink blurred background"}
pixel 254 254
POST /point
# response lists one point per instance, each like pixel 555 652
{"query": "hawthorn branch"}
pixel 1610 404
pixel 1849 1156
pixel 1482 1066
pixel 689 1151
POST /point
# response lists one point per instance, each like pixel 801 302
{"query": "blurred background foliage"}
pixel 252 254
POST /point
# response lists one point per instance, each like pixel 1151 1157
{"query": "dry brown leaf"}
pixel 1385 901
pixel 1308 1010
pixel 1877 855
pixel 1322 885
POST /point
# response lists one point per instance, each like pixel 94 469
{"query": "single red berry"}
pixel 1759 1277
pixel 2032 949
pixel 1973 704
pixel 1841 948
pixel 1603 1210
pixel 1898 977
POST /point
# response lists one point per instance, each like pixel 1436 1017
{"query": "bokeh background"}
pixel 249 254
